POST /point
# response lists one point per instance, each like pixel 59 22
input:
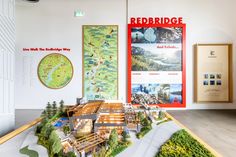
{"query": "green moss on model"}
pixel 182 144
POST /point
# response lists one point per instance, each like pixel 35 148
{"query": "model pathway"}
pixel 31 141
pixel 149 145
pixel 11 147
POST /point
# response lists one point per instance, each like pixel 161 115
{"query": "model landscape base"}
pixel 101 128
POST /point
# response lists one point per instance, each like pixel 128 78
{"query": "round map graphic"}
pixel 55 71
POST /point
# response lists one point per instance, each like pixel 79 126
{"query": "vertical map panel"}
pixel 100 62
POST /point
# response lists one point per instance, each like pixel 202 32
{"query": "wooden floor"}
pixel 215 127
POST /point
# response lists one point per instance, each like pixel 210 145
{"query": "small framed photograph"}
pixel 212 76
pixel 218 76
pixel 205 76
pixel 218 82
pixel 205 82
pixel 213 73
pixel 212 82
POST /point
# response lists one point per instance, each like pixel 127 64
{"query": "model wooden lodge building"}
pixel 97 116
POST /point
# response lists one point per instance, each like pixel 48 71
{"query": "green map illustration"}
pixel 55 71
pixel 100 62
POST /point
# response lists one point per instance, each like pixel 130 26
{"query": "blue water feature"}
pixel 64 118
pixel 58 124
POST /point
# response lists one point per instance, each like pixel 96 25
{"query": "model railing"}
pixel 19 130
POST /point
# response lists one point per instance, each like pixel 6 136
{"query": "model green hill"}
pixel 182 144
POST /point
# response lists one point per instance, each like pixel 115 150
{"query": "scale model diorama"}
pixel 92 126
pixel 100 128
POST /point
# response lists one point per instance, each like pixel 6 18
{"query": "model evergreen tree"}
pixel 49 110
pixel 54 108
pixel 61 109
pixel 113 139
pixel 124 136
pixel 43 114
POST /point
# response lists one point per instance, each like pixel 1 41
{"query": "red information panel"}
pixel 156 64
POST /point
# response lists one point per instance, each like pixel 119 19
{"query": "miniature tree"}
pixel 44 121
pixel 49 110
pixel 161 115
pixel 70 154
pixel 140 116
pixel 41 125
pixel 124 136
pixel 52 138
pixel 43 114
pixel 113 139
pixel 66 129
pixel 102 153
pixel 145 122
pixel 55 143
pixel 46 131
pixel 54 108
pixel 61 109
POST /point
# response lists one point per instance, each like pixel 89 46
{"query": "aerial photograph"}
pixel 146 57
pixel 150 94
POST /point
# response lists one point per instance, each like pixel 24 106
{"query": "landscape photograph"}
pixel 171 35
pixel 147 57
pixel 176 93
pixel 150 94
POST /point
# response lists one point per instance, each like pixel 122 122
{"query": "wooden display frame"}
pixel 213 94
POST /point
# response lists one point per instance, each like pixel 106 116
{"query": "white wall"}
pixel 7 52
pixel 50 23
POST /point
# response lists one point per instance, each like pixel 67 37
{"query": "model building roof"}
pixel 95 107
pixel 111 108
pixel 84 109
pixel 113 119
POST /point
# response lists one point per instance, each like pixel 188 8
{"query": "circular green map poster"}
pixel 55 71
